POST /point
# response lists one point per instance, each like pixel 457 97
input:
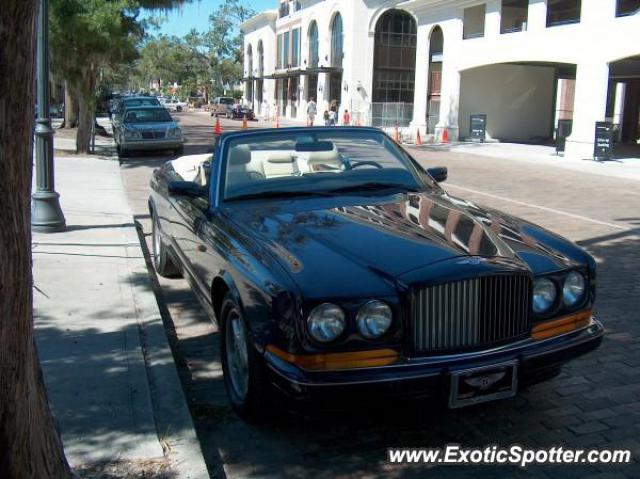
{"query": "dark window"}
pixel 285 50
pixel 395 57
pixel 313 45
pixel 295 47
pixel 284 9
pixel 627 7
pixel 474 22
pixel 337 53
pixel 250 62
pixel 513 16
pixel 279 57
pixel 561 12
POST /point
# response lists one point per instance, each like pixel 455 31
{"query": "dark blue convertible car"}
pixel 334 263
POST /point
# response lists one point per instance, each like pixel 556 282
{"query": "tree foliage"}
pixel 89 37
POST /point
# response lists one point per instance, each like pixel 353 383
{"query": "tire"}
pixel 162 262
pixel 247 388
pixel 180 150
pixel 122 153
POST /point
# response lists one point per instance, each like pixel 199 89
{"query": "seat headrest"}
pixel 330 156
pixel 280 157
pixel 240 155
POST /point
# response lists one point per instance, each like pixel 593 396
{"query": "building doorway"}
pixel 623 101
pixel 394 69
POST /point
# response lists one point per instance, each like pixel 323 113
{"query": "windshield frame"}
pixel 218 184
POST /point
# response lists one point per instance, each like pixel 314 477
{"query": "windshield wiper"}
pixel 276 194
pixel 374 186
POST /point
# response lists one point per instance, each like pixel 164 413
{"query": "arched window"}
pixel 250 75
pixel 259 83
pixel 394 68
pixel 313 45
pixel 436 47
pixel 336 41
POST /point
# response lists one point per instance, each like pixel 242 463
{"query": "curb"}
pixel 174 425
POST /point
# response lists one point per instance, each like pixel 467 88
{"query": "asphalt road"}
pixel 594 403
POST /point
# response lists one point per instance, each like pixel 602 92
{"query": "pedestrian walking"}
pixel 346 118
pixel 325 117
pixel 332 118
pixel 312 110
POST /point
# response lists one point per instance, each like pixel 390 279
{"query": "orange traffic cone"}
pixel 396 135
pixel 217 130
pixel 418 139
pixel 445 136
pixel 244 122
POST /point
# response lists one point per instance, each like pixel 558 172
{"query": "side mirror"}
pixel 185 188
pixel 439 173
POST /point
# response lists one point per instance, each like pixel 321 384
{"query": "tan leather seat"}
pixel 280 163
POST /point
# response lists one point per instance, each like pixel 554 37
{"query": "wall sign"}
pixel 478 127
pixel 603 144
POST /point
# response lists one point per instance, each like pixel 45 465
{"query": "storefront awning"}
pixel 299 72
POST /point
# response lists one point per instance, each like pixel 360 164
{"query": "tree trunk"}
pixel 85 110
pixel 70 107
pixel 29 443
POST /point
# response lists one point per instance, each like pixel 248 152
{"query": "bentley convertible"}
pixel 333 263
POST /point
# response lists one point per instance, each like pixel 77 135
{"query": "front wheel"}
pixel 244 375
pixel 161 260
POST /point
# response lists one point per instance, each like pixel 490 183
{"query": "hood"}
pixel 347 239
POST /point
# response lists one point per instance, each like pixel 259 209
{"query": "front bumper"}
pixel 154 144
pixel 430 376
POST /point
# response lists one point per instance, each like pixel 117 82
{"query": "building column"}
pixel 590 104
pixel 450 89
pixel 421 81
pixel 537 15
pixel 302 97
pixel 492 18
pixel 323 93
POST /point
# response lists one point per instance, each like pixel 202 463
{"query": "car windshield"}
pixel 227 101
pixel 307 162
pixel 141 102
pixel 147 115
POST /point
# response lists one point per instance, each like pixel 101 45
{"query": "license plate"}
pixel 489 383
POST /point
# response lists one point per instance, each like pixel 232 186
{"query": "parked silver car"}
pixel 147 128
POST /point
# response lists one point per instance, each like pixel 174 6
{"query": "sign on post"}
pixel 478 127
pixel 563 131
pixel 603 145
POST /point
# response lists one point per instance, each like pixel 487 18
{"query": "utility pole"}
pixel 46 214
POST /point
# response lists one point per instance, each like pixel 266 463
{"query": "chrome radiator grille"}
pixel 470 313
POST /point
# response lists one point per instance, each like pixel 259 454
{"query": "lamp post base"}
pixel 46 214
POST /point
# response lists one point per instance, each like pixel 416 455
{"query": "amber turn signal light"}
pixel 549 329
pixel 329 361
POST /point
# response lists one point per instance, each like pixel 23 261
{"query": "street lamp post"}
pixel 46 214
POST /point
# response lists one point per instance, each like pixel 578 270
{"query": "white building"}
pixel 430 64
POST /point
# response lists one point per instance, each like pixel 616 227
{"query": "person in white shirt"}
pixel 312 110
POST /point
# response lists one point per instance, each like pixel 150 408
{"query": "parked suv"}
pixel 222 105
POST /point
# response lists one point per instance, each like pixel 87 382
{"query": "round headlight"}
pixel 544 295
pixel 573 289
pixel 326 322
pixel 374 319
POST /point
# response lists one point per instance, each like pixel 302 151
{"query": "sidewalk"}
pixel 628 168
pixel 109 372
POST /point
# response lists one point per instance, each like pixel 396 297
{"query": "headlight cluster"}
pixel 132 135
pixel 327 321
pixel 174 132
pixel 571 287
